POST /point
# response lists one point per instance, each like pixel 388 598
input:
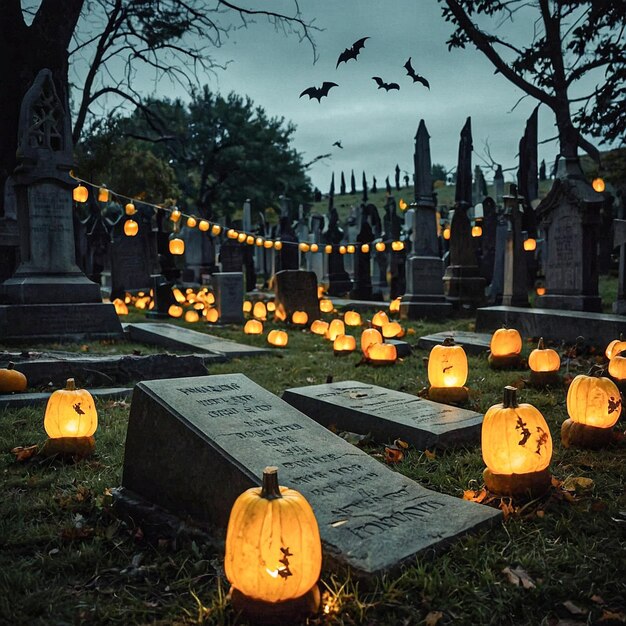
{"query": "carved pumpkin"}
pixel 246 306
pixel 368 337
pixel 615 347
pixel 391 330
pixel 11 380
pixel 544 359
pixel 131 228
pixel 70 412
pixel 617 367
pixel 505 342
pixel 380 319
pixel 516 448
pixel 273 547
pixel 382 353
pixel 335 328
pixel 352 318
pixel 192 316
pixel 394 306
pixel 271 306
pixel 300 318
pixel 179 296
pixel 80 193
pixel 175 310
pixel 120 306
pixel 344 344
pixel 447 365
pixel 212 315
pixel 278 338
pixel 259 311
pixel 326 306
pixel 594 401
pixel 176 246
pixel 253 327
pixel 319 327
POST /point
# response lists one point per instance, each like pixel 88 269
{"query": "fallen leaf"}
pixel 393 454
pixel 610 616
pixel 432 619
pixel 475 496
pixel 541 513
pixel 519 577
pixel 431 456
pixel 410 331
pixel 401 444
pixel 573 609
pixel 597 599
pixel 578 484
pixel 24 453
pixel 507 508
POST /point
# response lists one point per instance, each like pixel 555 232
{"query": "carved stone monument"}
pixel 424 268
pixel 48 297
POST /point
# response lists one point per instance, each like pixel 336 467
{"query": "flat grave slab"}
pixel 386 414
pixel 473 343
pixel 19 400
pixel 555 324
pixel 194 444
pixel 170 336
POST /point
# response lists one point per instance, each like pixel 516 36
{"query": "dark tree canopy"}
pixel 570 40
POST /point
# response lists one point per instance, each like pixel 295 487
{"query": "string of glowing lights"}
pixel 80 194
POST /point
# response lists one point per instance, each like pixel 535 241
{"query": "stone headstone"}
pixel 130 263
pixel 296 290
pixel 210 438
pixel 177 338
pixel 514 291
pixel 473 343
pixel 386 414
pixel 228 292
pixel 619 241
pixel 488 240
pixel 231 256
pixel 48 295
pixel 498 184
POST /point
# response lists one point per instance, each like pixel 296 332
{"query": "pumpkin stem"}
pixel 70 385
pixel 270 489
pixel 11 365
pixel 540 345
pixel 448 341
pixel 509 400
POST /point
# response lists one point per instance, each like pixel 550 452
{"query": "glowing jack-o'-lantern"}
pixel 516 447
pixel 394 306
pixel 391 330
pixel 177 246
pixel 617 367
pixel 192 316
pixel 253 327
pixel 447 372
pixel 271 306
pixel 70 412
pixel 335 328
pixel 344 344
pixel 506 348
pixel 130 209
pixel 278 338
pixel 598 185
pixel 11 380
pixel 80 194
pixel 380 319
pixel 273 551
pixel 175 310
pixel 300 318
pixel 246 306
pixel 259 311
pixel 477 231
pixel 326 306
pixel 368 337
pixel 382 354
pixel 120 306
pixel 131 228
pixel 594 405
pixel 212 315
pixel 179 296
pixel 615 347
pixel 319 327
pixel 530 244
pixel 352 318
pixel 544 366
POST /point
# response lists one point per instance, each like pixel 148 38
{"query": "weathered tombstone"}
pixel 316 261
pixel 48 297
pixel 336 277
pixel 9 236
pixel 619 240
pixel 386 414
pixel 570 215
pixel 162 296
pixel 228 292
pixel 514 291
pixel 231 256
pixel 463 284
pixel 479 189
pixel 288 257
pixel 527 177
pixel 211 437
pixel 498 185
pixel 296 290
pixel 424 268
pixel 496 287
pixel 488 239
pixel 397 259
pixel 130 262
pixel 362 289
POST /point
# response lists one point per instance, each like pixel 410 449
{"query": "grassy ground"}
pixel 65 559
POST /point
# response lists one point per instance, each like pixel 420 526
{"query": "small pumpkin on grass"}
pixel 544 366
pixel 447 372
pixel 505 349
pixel 11 380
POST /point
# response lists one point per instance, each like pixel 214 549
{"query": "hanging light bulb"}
pixel 80 194
pixel 103 194
pixel 131 228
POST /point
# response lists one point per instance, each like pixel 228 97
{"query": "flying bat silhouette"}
pixel 352 52
pixel 338 144
pixel 319 92
pixel 416 77
pixel 381 83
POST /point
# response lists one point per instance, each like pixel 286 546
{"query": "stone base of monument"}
pixel 287 612
pixel 68 447
pixel 598 329
pixel 532 484
pixel 454 395
pixel 619 307
pixel 540 380
pixel 413 306
pixel 583 436
pixel 570 303
pixel 56 322
pixel 505 362
pixel 463 286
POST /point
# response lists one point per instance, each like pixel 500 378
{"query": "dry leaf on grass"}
pixel 431 456
pixel 507 508
pixel 393 454
pixel 474 496
pixel 577 484
pixel 432 619
pixel 574 609
pixel 399 443
pixel 519 577
pixel 24 453
pixel 612 618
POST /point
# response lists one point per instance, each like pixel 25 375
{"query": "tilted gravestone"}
pixel 386 414
pixel 195 444
pixel 48 297
pixel 296 290
pixel 228 292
